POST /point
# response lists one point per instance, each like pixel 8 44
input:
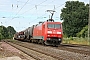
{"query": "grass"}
pixel 76 40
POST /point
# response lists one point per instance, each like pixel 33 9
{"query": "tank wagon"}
pixel 29 33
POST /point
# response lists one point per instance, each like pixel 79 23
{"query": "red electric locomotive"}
pixel 49 32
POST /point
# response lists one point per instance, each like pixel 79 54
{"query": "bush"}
pixel 83 33
pixel 76 40
pixel 71 38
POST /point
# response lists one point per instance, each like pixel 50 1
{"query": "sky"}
pixel 22 14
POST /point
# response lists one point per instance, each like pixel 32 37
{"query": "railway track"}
pixel 60 53
pixel 37 55
pixel 75 48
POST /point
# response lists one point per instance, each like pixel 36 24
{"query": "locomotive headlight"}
pixel 48 38
pixel 59 39
pixel 58 32
pixel 48 35
pixel 49 32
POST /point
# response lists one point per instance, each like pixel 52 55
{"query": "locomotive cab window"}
pixel 56 26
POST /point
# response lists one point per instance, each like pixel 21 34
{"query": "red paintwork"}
pixel 37 30
pixel 41 30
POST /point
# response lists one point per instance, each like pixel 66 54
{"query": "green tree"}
pixel 75 16
pixel 6 32
pixel 3 32
pixel 83 33
pixel 11 31
pixel 1 36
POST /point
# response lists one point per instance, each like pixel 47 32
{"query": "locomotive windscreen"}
pixel 56 26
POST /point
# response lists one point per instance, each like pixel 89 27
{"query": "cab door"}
pixel 43 32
